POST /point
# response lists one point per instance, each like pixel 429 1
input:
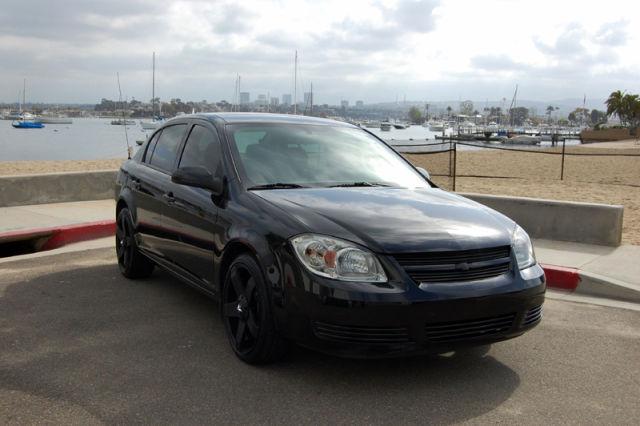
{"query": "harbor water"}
pixel 95 138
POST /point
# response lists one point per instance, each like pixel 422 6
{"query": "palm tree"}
pixel 449 111
pixel 616 105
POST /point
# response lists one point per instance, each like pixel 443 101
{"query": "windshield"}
pixel 276 156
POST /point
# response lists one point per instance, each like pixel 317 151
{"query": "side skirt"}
pixel 181 274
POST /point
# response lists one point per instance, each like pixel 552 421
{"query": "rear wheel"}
pixel 246 313
pixel 131 262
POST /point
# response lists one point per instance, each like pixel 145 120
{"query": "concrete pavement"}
pixel 81 344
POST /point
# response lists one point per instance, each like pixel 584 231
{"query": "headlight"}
pixel 338 259
pixel 522 248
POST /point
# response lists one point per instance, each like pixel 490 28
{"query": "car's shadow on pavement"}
pixel 87 344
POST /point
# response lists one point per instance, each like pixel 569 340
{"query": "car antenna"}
pixel 124 120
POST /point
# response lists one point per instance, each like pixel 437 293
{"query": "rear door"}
pixel 191 216
pixel 155 180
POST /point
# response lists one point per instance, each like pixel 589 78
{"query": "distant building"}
pixel 262 100
pixel 344 104
pixel 245 98
pixel 286 99
pixel 275 101
pixel 359 104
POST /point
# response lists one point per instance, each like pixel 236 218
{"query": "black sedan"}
pixel 316 232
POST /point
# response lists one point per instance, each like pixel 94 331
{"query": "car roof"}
pixel 263 117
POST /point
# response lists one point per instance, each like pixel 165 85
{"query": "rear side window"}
pixel 166 149
pixel 150 147
pixel 201 149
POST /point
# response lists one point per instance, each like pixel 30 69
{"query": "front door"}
pixel 191 215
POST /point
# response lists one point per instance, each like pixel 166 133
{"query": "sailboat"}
pixel 157 120
pixel 26 120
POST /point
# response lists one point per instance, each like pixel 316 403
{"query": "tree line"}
pixel 625 106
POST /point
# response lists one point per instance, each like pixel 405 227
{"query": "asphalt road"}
pixel 81 344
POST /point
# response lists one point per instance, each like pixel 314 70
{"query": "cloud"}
pixel 613 34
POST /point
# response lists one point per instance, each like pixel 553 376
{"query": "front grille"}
pixel 451 266
pixel 358 334
pixel 533 316
pixel 469 329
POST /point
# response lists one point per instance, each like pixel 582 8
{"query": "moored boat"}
pixel 122 122
pixel 385 126
pixel 27 124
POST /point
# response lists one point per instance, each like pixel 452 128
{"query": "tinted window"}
pixel 166 149
pixel 151 146
pixel 202 149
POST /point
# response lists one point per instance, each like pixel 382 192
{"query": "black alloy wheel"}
pixel 131 262
pixel 246 314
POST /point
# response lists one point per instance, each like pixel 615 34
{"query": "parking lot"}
pixel 81 344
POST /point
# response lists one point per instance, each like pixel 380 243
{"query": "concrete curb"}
pixel 589 284
pixel 54 237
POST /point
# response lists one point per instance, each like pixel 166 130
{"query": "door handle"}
pixel 169 198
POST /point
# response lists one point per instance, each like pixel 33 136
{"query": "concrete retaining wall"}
pixel 604 135
pixel 56 187
pixel 555 220
pixel 560 220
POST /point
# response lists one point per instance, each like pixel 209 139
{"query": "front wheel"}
pixel 246 313
pixel 131 262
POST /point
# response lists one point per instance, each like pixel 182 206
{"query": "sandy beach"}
pixel 598 179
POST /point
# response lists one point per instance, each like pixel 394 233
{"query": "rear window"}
pixel 166 149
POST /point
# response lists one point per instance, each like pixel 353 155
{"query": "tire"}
pixel 246 314
pixel 131 262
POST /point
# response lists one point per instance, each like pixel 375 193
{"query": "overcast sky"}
pixel 373 50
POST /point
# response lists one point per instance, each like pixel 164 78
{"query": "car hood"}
pixel 394 220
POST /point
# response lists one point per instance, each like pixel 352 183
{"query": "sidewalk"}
pixel 55 225
pixel 611 272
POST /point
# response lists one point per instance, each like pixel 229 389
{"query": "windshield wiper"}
pixel 277 185
pixel 358 184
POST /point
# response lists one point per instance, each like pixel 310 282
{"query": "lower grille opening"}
pixel 533 316
pixel 358 334
pixel 469 329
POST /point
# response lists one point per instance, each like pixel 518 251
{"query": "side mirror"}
pixel 198 177
pixel 424 172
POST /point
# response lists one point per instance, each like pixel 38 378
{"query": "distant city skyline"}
pixel 369 50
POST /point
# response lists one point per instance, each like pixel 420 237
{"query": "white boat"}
pixel 523 140
pixel 385 126
pixel 400 126
pixel 149 125
pixel 372 124
pixel 55 120
pixel 437 126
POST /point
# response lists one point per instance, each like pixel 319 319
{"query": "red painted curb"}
pixel 80 232
pixel 561 277
pixel 59 236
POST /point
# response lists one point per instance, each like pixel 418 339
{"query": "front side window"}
pixel 166 149
pixel 202 149
pixel 317 156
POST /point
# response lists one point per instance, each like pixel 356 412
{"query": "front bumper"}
pixel 400 317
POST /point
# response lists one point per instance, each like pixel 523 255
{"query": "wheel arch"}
pixel 232 250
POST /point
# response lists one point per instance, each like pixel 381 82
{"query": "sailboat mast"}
pixel 24 90
pixel 153 88
pixel 295 84
pixel 311 100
